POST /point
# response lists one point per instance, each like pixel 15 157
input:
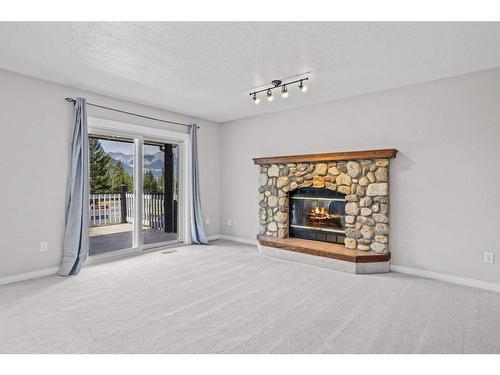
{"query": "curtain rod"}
pixel 71 100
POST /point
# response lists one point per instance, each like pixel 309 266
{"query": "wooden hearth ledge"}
pixel 331 156
pixel 323 249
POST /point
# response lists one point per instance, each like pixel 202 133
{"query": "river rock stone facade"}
pixel 365 183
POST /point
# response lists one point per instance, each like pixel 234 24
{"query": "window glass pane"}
pixel 160 191
pixel 111 194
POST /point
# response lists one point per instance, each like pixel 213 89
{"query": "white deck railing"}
pixel 106 209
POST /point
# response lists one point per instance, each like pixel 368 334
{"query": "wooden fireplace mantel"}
pixel 330 156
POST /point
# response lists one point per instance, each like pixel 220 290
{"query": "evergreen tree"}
pixel 150 183
pixel 100 181
pixel 119 177
pixel 161 181
pixel 129 182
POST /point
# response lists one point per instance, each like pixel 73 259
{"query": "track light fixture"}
pixel 276 84
pixel 284 92
pixel 269 95
pixel 302 87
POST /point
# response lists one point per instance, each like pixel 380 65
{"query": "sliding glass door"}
pixel 160 190
pixel 122 169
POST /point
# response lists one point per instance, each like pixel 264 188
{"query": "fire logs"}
pixel 322 217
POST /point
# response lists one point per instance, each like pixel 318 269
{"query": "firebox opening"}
pixel 317 214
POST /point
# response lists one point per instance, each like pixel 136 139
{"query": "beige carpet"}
pixel 226 298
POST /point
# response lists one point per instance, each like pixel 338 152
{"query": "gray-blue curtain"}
pixel 197 231
pixel 76 235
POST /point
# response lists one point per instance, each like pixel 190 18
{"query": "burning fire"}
pixel 321 216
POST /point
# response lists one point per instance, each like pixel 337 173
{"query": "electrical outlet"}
pixel 207 221
pixel 489 258
pixel 44 246
pixel 234 223
pixel 229 222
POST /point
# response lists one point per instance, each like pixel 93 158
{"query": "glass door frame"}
pixel 165 243
pixel 140 134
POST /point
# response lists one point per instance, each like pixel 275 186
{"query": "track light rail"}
pixel 279 85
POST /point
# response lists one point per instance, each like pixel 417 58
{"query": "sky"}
pixel 114 146
pixel 126 148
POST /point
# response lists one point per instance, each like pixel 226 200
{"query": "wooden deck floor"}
pixel 107 243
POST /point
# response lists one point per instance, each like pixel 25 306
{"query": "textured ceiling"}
pixel 207 69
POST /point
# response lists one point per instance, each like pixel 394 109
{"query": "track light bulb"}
pixel 270 97
pixel 302 87
pixel 284 92
pixel 255 99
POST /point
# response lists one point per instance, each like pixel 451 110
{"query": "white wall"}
pixel 35 128
pixel 445 181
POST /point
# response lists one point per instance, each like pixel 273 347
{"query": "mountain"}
pixel 124 158
pixel 153 162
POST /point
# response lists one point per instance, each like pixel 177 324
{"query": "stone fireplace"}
pixel 338 202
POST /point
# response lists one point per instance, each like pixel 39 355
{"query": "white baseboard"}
pixel 446 277
pixel 235 239
pixel 28 275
